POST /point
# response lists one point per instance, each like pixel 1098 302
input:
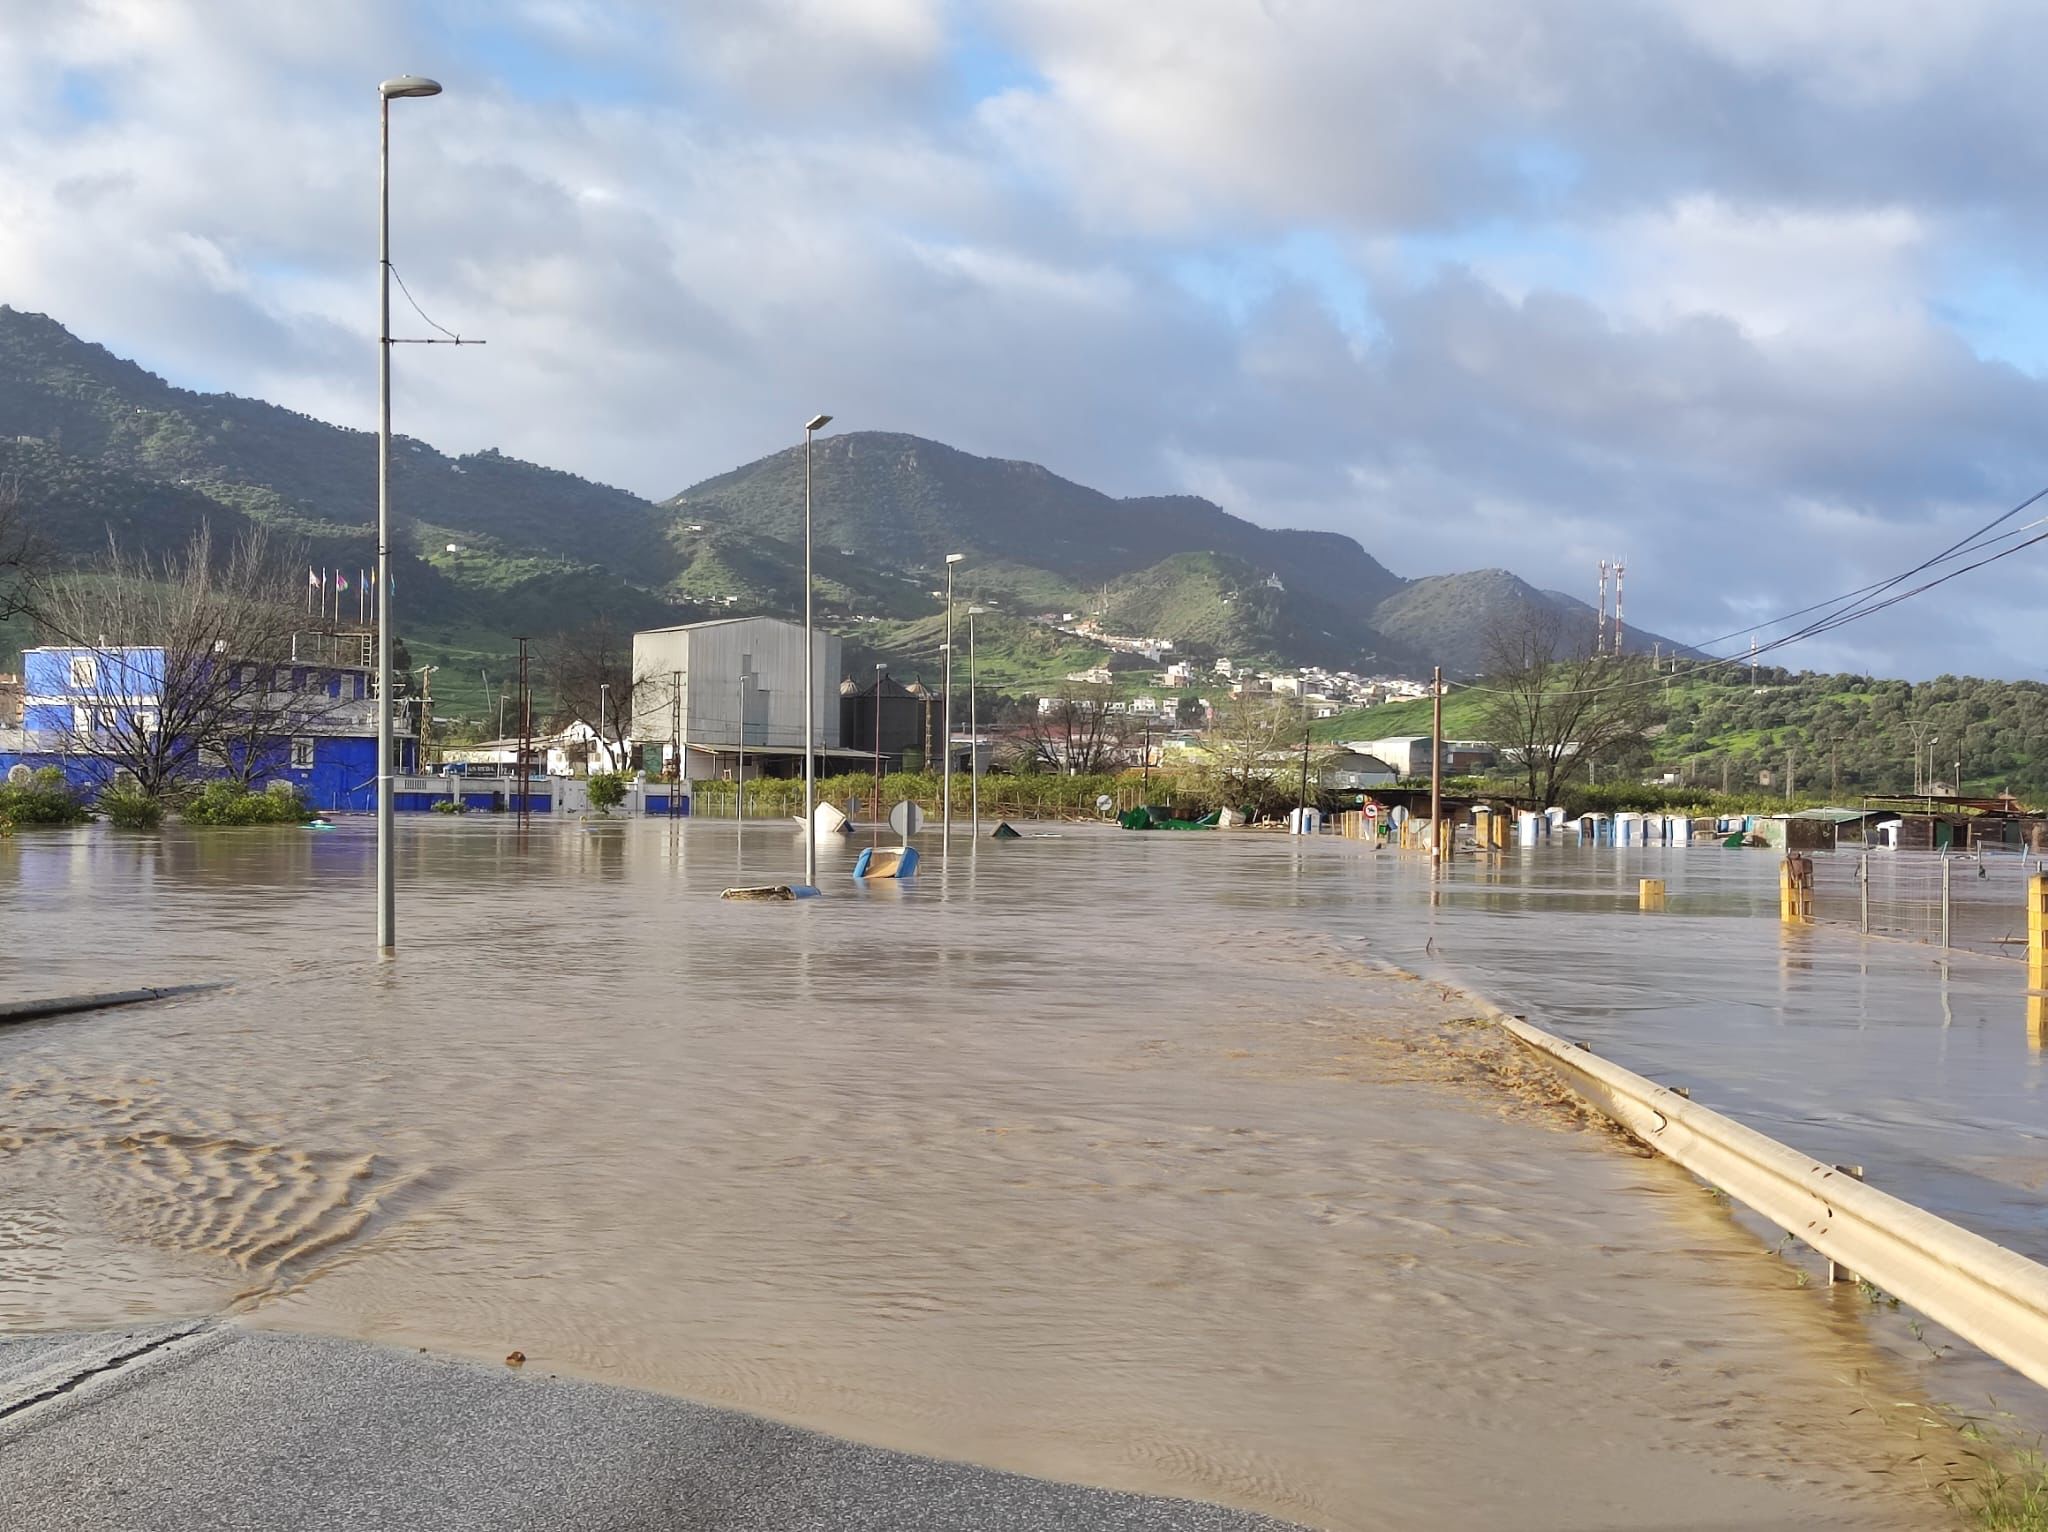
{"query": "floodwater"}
pixel 1924 1066
pixel 1101 1156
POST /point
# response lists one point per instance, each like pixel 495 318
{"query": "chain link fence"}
pixel 1976 900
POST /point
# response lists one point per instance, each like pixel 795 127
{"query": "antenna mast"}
pixel 1600 633
pixel 1620 568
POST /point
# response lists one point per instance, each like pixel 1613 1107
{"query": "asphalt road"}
pixel 217 1427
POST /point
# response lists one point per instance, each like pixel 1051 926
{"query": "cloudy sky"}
pixel 1748 291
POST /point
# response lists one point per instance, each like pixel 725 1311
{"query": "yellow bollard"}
pixel 2037 931
pixel 1795 890
pixel 2037 1021
pixel 1650 894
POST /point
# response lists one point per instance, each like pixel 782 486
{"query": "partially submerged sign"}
pixel 906 819
pixel 1002 831
pixel 886 862
pixel 771 892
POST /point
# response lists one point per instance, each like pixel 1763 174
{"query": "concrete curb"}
pixel 65 1005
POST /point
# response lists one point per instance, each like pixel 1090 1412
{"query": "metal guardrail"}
pixel 66 1005
pixel 1991 1296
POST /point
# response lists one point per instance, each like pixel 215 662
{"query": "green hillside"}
pixel 1210 604
pixel 1464 718
pixel 1845 735
pixel 1010 653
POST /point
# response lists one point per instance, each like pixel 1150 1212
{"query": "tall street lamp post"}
pixel 946 739
pixel 405 86
pixel 814 424
pixel 973 731
pixel 875 809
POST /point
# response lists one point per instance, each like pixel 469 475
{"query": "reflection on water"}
pixel 1096 1155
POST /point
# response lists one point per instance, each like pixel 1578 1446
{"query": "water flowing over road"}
pixel 1093 1155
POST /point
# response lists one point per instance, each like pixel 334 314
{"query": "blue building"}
pixel 310 720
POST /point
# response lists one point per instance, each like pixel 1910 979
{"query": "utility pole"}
pixel 973 731
pixel 740 772
pixel 1304 772
pixel 812 426
pixel 405 87
pixel 1436 770
pixel 675 741
pixel 946 744
pixel 525 734
pixel 881 675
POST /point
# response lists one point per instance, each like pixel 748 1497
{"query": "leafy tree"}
pixel 607 791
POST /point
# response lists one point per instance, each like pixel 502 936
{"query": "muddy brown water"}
pixel 1095 1155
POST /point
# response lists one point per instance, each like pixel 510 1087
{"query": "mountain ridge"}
pixel 493 545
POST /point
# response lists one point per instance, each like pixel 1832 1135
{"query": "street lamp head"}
pixel 409 85
pixel 817 422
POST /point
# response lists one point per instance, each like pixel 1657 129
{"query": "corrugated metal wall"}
pixel 713 658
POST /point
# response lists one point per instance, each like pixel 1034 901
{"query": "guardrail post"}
pixel 1842 1273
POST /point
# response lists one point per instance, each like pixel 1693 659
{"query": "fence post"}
pixel 1842 1273
pixel 1795 889
pixel 2037 931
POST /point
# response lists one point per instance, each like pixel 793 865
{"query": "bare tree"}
pixel 1255 742
pixel 1553 706
pixel 591 672
pixel 183 667
pixel 1079 731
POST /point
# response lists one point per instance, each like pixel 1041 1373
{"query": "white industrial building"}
pixel 732 687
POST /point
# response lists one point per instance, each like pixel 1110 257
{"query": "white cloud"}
pixel 1681 300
